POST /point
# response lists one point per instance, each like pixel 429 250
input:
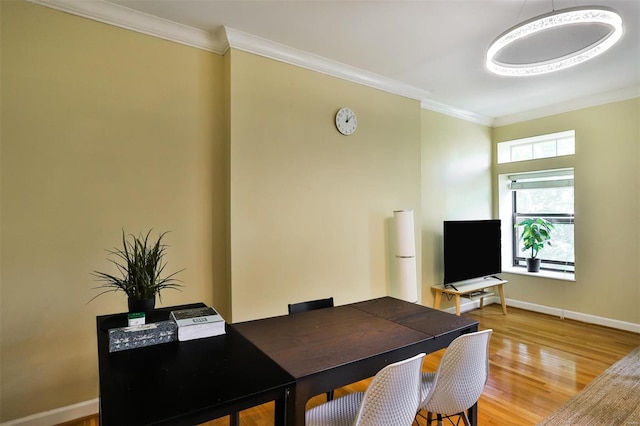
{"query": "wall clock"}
pixel 346 121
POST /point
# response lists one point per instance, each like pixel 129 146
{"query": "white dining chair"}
pixel 391 399
pixel 459 380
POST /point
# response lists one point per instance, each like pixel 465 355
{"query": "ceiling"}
pixel 436 47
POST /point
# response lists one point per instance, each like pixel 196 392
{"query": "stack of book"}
pixel 196 323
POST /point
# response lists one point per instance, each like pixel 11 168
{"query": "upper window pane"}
pixel 521 152
pixel 544 149
pixel 566 146
pixel 545 146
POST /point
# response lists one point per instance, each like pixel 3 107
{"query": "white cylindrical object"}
pixel 407 279
pixel 405 238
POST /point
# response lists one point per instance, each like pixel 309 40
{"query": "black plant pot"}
pixel 533 265
pixel 142 305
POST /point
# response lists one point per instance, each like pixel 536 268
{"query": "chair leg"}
pixel 329 395
pixel 418 416
pixel 429 418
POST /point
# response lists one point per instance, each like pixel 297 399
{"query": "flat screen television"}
pixel 472 249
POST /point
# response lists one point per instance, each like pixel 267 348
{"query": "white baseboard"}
pixel 578 316
pixel 468 305
pixel 87 408
pixel 58 415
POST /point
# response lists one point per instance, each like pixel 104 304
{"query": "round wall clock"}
pixel 346 121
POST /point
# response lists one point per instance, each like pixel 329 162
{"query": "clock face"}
pixel 346 121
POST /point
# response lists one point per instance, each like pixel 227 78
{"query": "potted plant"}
pixel 536 233
pixel 140 264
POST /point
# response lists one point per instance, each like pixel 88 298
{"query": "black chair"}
pixel 295 308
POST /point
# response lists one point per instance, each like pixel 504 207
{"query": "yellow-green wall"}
pixel 102 129
pixel 237 155
pixel 456 184
pixel 311 208
pixel 607 209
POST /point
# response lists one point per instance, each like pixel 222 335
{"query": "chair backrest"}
pixel 310 305
pixel 461 375
pixel 393 396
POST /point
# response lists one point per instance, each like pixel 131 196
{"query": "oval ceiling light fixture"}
pixel 555 19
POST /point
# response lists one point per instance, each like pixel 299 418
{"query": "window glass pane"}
pixel 504 153
pixel 561 248
pixel 544 149
pixel 547 200
pixel 521 152
pixel 566 146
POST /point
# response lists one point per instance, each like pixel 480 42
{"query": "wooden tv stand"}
pixel 471 289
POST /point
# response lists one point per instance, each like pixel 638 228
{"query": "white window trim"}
pixel 504 148
pixel 555 275
pixel 505 212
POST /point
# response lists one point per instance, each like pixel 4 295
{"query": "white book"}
pixel 197 323
pixel 191 332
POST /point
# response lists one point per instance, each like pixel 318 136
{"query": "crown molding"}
pixel 572 105
pixel 280 52
pixel 221 40
pixel 123 17
pixel 456 112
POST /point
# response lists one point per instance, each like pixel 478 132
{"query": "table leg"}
pixel 502 301
pixel 285 408
pixel 438 300
pixel 233 419
pixel 457 304
pixel 481 302
pixel 301 395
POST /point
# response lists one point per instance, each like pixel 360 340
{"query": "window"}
pixel 545 146
pixel 548 195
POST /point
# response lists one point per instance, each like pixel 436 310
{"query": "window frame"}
pixel 504 150
pixel 519 261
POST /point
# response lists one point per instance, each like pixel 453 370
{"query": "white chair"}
pixel 391 399
pixel 460 379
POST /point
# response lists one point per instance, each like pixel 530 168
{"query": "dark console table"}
pixel 186 382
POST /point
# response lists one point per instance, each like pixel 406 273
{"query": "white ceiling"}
pixel 435 46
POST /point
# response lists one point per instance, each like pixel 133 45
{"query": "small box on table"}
pixel 138 336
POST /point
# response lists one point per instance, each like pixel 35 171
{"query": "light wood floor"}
pixel 537 362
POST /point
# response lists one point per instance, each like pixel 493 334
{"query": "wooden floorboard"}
pixel 537 362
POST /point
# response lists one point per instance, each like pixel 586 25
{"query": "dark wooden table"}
pixel 328 348
pixel 185 382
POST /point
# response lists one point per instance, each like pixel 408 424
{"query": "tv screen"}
pixel 472 249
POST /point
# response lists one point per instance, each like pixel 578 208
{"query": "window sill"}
pixel 562 276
